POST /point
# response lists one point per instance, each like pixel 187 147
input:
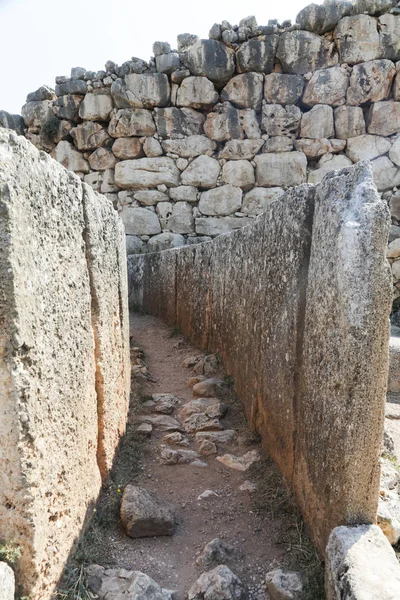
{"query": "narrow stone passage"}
pixel 260 540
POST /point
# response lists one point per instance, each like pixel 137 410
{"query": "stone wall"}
pixel 200 140
pixel 64 356
pixel 279 301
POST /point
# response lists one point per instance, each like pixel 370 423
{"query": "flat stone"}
pixel 181 219
pixel 114 584
pixel 208 388
pixel 328 163
pixel 211 59
pixel 280 120
pixel 259 199
pixel 211 407
pixel 238 173
pixel 145 173
pixel 285 585
pixel 145 429
pixel 384 118
pixel 218 437
pixel 386 174
pixel 66 154
pixel 197 92
pixel 89 135
pixel 126 148
pixel 164 403
pixel 163 422
pixel 131 122
pixel 241 149
pixel 358 39
pixel 318 123
pixel 144 515
pixel 169 456
pixel 202 172
pixel 95 107
pixel 190 146
pixel 175 122
pixel 257 54
pixel 219 583
pixel 282 88
pixel 302 51
pixel 165 241
pixel 201 422
pixel 349 122
pixel 212 226
pixel 370 82
pixel 150 197
pixel 74 86
pixel 7 582
pixel 316 148
pixel 282 169
pixel 244 91
pixel 239 463
pixel 327 86
pixel 367 147
pixel 140 221
pixel 224 123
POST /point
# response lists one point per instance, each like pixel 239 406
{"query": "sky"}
pixel 44 38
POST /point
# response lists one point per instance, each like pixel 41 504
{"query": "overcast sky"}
pixel 44 38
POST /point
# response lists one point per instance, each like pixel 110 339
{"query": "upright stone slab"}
pixel 340 409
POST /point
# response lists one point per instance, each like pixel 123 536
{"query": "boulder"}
pixel 238 173
pixel 259 199
pixel 201 422
pixel 114 584
pixel 150 197
pixel 14 122
pixel 181 219
pixel 7 582
pixel 239 463
pixel 73 86
pixel 152 147
pixel 189 147
pixel 134 245
pixel 384 118
pixel 302 51
pixel 208 388
pixel 146 90
pixel 89 135
pixel 168 63
pixel 224 123
pixel 349 122
pixel 102 159
pixel 386 174
pixel 327 86
pixel 164 241
pixel 318 123
pixel 316 148
pixel 212 226
pixel 280 120
pixel 367 147
pixel 389 26
pixel 35 114
pixel 139 221
pixel 283 169
pixel 285 585
pixel 131 122
pixel 145 173
pixel 322 18
pixel 202 172
pixel 219 583
pixel 67 107
pixel 370 82
pixel 66 154
pixel 394 153
pixel 175 122
pixel 221 201
pixel 372 7
pixel 96 107
pixel 186 193
pixel 43 93
pixel 244 91
pixel 257 54
pixel 211 59
pixel 168 456
pixel 327 163
pixel 357 39
pixel 241 149
pixel 215 552
pixel 281 88
pixel 126 148
pixel 197 92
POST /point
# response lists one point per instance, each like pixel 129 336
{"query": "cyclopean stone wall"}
pixel 279 300
pixel 200 140
pixel 64 356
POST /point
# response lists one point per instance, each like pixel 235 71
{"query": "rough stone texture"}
pixel 283 88
pixel 244 91
pixel 367 147
pixel 7 582
pixel 358 40
pixel 141 91
pixel 349 122
pixel 345 387
pixel 48 396
pixel 190 146
pixel 95 107
pixel 144 515
pixel 327 86
pixel 394 366
pixel 318 123
pixel 197 92
pixel 384 118
pixel 280 120
pixel 285 585
pixel 258 54
pixel 302 51
pixel 281 169
pixel 360 564
pixel 175 122
pixel 146 173
pixel 114 584
pixel 140 221
pixel 219 583
pixel 370 82
pixel 126 122
pixel 89 135
pixel 327 163
pixel 202 172
pixel 221 201
pixel 211 59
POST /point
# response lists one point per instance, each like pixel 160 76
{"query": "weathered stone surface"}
pixel 177 122
pixel 188 193
pixel 134 245
pixel 349 122
pixel 343 384
pixel 259 199
pixel 102 159
pixel 131 122
pixel 211 59
pixel 42 93
pixel 318 123
pixel 190 146
pixel 219 583
pixel 239 173
pixel 372 7
pixel 302 51
pixel 283 169
pixel 146 90
pixel 367 147
pixel 125 148
pixel 396 85
pixel 89 135
pixel 202 172
pixel 327 86
pixel 197 92
pixel 144 515
pixel 223 124
pixel 35 114
pixel 241 149
pixel 168 63
pixel 257 54
pixel 7 582
pixel 325 17
pixel 394 364
pixel 239 463
pixel 164 241
pixel 213 226
pixel 221 201
pixel 114 584
pixel 244 91
pixel 150 197
pixel 281 120
pixel 281 88
pixel 316 148
pixel 74 86
pixel 181 219
pixel 96 107
pixel 389 26
pixel 278 143
pixel 285 585
pixel 357 39
pixel 327 163
pixel 360 563
pixel 164 211
pixel 14 122
pixel 370 82
pixel 140 221
pixel 384 118
pixel 67 107
pixel 66 154
pixel 394 153
pixel 145 173
pixel 386 174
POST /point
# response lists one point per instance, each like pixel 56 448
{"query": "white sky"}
pixel 44 38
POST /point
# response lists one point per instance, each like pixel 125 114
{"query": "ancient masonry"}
pixel 201 139
pixel 64 356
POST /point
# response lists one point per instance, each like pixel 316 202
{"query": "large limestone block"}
pixel 349 122
pixel 168 63
pixel 372 7
pixel 345 355
pixel 202 172
pixel 360 564
pixel 244 91
pixel 318 123
pixel 390 36
pixel 316 148
pixel 328 163
pixel 102 159
pixel 190 146
pixel 96 107
pixel 384 118
pixel 67 107
pixel 73 86
pixel 241 149
pixel 211 59
pixel 197 92
pixel 321 18
pixel 327 86
pixel 386 174
pixel 357 39
pixel 181 219
pixel 259 199
pixel 280 120
pixel 127 148
pixel 370 82
pixel 223 124
pixel 281 88
pixel 302 51
pixel 89 135
pixel 214 226
pixel 140 221
pixel 175 122
pixel 66 154
pixel 131 122
pixel 7 582
pixel 239 173
pixel 35 114
pixel 146 90
pixel 367 147
pixel 165 241
pixel 283 169
pixel 48 404
pixel 257 54
pixel 221 201
pixel 146 173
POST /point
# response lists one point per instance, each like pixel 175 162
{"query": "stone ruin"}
pixel 222 136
